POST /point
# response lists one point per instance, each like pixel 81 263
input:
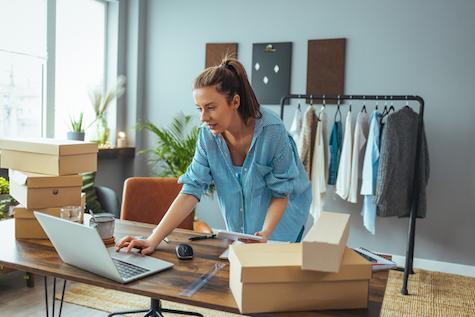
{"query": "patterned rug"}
pixel 112 301
pixel 432 294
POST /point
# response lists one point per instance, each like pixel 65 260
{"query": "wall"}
pixel 393 47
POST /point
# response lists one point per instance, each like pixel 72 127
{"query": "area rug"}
pixel 112 301
pixel 432 294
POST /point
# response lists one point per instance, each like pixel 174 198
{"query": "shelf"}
pixel 116 153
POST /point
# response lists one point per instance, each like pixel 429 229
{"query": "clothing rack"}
pixel 408 268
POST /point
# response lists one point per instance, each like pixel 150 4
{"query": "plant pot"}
pixel 78 136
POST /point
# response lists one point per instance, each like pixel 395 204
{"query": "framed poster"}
pixel 215 52
pixel 271 71
pixel 326 68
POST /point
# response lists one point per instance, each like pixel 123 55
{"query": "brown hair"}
pixel 230 78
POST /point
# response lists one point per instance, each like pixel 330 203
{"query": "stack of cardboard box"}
pixel 44 176
pixel 319 273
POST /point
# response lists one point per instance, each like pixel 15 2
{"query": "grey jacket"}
pixel 395 182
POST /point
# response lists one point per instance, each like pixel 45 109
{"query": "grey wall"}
pixel 393 47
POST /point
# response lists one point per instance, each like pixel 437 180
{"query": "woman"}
pixel 247 153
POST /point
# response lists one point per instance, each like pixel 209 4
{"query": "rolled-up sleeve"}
pixel 198 175
pixel 281 177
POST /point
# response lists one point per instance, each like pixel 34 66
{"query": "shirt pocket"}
pixel 259 177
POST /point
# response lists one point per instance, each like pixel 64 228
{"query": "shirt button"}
pixel 242 229
pixel 240 209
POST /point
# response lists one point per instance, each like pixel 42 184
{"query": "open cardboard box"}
pixel 269 278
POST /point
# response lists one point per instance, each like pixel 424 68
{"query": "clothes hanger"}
pixel 364 105
pixel 385 110
pixel 351 98
pixel 338 111
pixel 376 103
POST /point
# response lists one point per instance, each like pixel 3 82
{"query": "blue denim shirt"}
pixel 370 172
pixel 272 168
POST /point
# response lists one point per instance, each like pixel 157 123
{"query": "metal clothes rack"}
pixel 408 268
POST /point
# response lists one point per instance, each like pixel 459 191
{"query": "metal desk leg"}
pixel 53 299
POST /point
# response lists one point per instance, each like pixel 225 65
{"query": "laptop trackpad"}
pixel 133 257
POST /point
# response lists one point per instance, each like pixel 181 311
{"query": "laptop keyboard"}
pixel 127 270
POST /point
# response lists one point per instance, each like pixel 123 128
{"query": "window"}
pixel 22 67
pixel 80 60
pixel 78 57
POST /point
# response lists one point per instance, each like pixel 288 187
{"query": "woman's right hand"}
pixel 146 246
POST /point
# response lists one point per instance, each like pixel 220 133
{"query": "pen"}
pixel 195 238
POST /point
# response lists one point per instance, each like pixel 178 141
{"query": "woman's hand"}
pixel 129 242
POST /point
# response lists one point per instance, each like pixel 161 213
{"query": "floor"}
pixel 17 300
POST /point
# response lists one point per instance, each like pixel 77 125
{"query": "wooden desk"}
pixel 30 256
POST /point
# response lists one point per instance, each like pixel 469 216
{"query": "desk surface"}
pixel 42 259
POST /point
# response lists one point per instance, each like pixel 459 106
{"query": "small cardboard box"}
pixel 37 191
pixel 48 156
pixel 267 278
pixel 324 244
pixel 26 225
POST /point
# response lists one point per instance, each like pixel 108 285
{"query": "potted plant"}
pixel 100 103
pixel 175 146
pixel 174 152
pixel 6 201
pixel 77 130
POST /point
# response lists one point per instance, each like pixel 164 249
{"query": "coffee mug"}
pixel 104 224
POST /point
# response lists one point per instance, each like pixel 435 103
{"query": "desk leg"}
pixel 53 299
pixel 156 310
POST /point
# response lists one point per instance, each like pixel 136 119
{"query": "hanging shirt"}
pixel 307 138
pixel 370 172
pixel 397 162
pixel 359 146
pixel 296 127
pixel 271 169
pixel 335 151
pixel 319 167
pixel 344 168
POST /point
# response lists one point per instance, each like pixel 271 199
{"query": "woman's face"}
pixel 215 110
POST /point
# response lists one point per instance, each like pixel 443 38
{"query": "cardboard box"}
pixel 325 242
pixel 48 156
pixel 26 225
pixel 37 191
pixel 268 278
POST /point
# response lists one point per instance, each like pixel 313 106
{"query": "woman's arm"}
pixel 276 209
pixel 178 211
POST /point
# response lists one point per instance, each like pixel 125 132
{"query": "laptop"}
pixel 82 247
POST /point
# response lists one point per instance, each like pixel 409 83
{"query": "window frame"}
pixel 49 78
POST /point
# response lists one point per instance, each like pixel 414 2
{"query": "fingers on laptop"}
pixel 124 242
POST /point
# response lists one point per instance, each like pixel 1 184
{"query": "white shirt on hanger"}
pixel 359 146
pixel 344 168
pixel 319 167
pixel 296 126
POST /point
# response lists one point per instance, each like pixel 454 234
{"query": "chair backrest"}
pixel 147 199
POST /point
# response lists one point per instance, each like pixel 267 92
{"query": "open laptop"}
pixel 81 246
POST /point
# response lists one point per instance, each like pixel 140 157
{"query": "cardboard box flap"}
pixel 325 242
pixel 48 146
pixel 328 228
pixel 33 180
pixel 269 263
